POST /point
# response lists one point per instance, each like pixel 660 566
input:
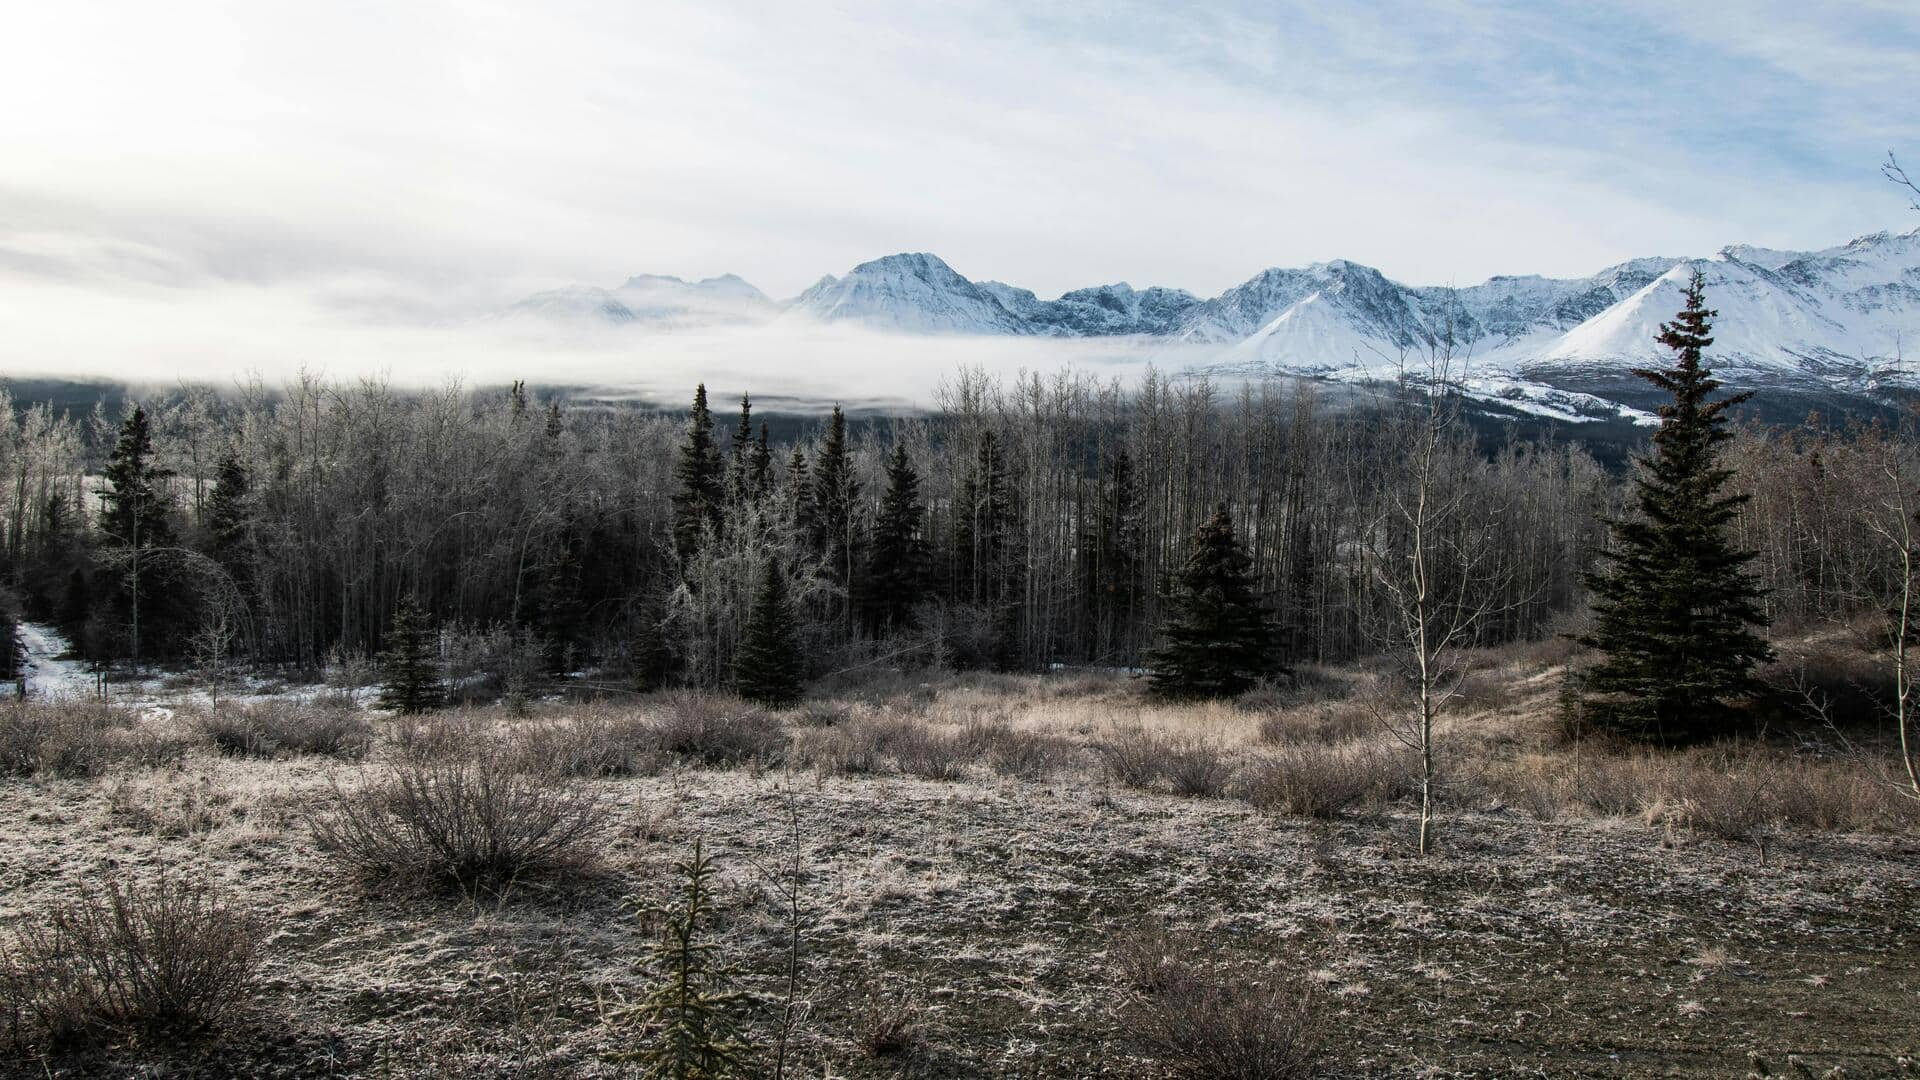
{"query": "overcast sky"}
pixel 174 171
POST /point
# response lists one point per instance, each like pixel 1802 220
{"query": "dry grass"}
pixel 170 804
pixel 159 960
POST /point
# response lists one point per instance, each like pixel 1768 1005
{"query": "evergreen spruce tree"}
pixel 760 467
pixel 138 521
pixel 769 664
pixel 410 674
pixel 897 560
pixel 689 1024
pixel 835 495
pixel 1218 642
pixel 740 455
pixel 1675 613
pixel 229 518
pixel 698 502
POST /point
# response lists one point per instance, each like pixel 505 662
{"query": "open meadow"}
pixel 952 876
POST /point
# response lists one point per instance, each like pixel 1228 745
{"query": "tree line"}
pixel 1022 523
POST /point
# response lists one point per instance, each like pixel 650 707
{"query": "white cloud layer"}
pixel 211 187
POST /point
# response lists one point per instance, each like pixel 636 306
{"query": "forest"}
pixel 1019 526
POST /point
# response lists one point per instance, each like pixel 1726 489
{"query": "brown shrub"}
pixel 1025 755
pixel 589 744
pixel 1134 757
pixel 272 728
pixel 1319 781
pixel 1203 1029
pixel 155 960
pixel 469 821
pixel 80 739
pixel 1196 768
pixel 718 731
pixel 856 748
pixel 890 1023
pixel 918 751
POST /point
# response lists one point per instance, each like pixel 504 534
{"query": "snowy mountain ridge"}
pixel 1832 320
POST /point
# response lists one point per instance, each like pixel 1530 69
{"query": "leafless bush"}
pixel 821 714
pixel 890 1023
pixel 1206 1029
pixel 718 731
pixel 1140 759
pixel 1148 959
pixel 272 728
pixel 856 748
pixel 1195 768
pixel 1134 757
pixel 163 959
pixel 80 739
pixel 1026 755
pixel 1305 685
pixel 930 755
pixel 469 820
pixel 589 744
pixel 1316 781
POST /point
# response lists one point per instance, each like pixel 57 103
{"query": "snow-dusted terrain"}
pixel 1830 321
pixel 48 674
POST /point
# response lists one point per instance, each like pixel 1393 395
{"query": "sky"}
pixel 197 187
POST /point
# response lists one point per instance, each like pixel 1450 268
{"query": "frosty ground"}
pixel 1589 911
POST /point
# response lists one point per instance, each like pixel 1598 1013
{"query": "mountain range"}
pixel 1828 322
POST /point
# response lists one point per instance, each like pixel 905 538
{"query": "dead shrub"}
pixel 1134 757
pixel 1023 755
pixel 918 751
pixel 857 748
pixel 1316 781
pixel 590 744
pixel 718 731
pixel 890 1023
pixel 470 821
pixel 1204 1029
pixel 158 960
pixel 1196 769
pixel 274 728
pixel 1148 959
pixel 80 739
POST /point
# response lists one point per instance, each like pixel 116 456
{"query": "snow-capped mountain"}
pixel 916 293
pixel 1830 320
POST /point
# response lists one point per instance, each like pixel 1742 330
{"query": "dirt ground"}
pixel 986 909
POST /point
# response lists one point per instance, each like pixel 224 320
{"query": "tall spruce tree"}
pixel 1675 612
pixel 897 560
pixel 701 480
pixel 1218 641
pixel 768 665
pixel 409 670
pixel 138 521
pixel 836 494
pixel 229 518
